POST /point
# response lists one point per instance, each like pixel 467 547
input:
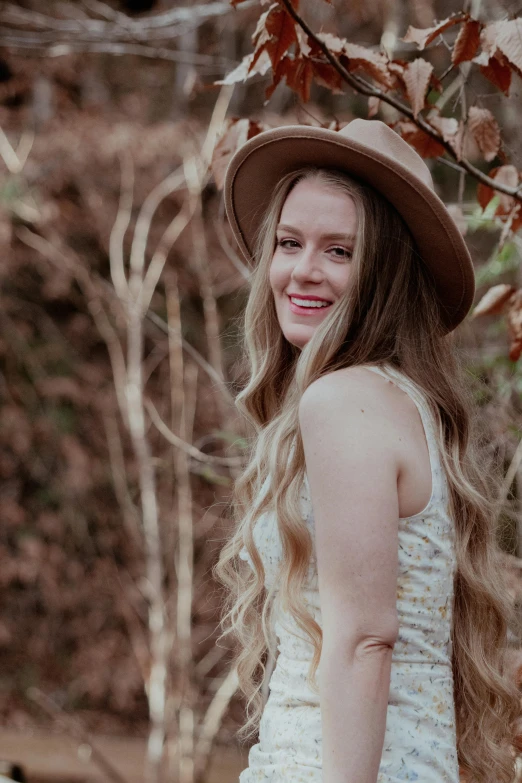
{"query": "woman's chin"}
pixel 298 334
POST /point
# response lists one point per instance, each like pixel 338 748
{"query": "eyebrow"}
pixel 333 236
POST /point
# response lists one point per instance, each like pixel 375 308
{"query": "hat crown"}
pixel 379 137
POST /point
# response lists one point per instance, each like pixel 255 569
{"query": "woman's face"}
pixel 313 256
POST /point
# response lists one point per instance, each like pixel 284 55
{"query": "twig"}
pixel 159 636
pixel 72 727
pixel 15 160
pixel 182 419
pixel 188 448
pixel 212 721
pixel 365 88
pixel 15 14
pixel 120 226
pixel 117 463
pixel 53 49
pixel 198 358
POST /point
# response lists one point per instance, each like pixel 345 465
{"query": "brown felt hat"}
pixel 375 154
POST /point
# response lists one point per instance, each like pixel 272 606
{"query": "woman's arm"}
pixel 351 444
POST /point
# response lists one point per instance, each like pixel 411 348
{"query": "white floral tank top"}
pixel 420 737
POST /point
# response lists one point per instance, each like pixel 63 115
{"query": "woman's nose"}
pixel 307 266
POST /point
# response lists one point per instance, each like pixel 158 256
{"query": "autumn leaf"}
pixel 467 42
pixel 509 41
pixel 280 72
pixel 304 44
pixel 372 63
pixel 424 36
pixel 416 78
pixel 281 30
pixel 484 129
pixel 494 300
pixel 451 131
pixel 355 57
pixel 326 75
pixel 488 38
pixel 332 42
pixel 425 145
pixel 498 72
pixel 507 176
pixel 261 34
pixel 299 75
pixel 247 67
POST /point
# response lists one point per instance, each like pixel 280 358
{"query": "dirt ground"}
pixel 50 758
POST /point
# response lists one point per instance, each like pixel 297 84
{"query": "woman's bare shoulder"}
pixel 350 384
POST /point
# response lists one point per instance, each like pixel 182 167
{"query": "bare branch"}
pixel 120 226
pixel 15 160
pixel 212 721
pixel 188 448
pixel 115 33
pixel 41 48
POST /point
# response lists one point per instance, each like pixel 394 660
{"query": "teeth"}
pixel 309 302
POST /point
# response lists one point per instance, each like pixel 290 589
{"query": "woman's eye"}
pixel 283 242
pixel 344 252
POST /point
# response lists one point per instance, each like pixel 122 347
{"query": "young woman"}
pixel 364 549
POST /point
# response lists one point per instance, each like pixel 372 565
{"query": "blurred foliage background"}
pixel 108 112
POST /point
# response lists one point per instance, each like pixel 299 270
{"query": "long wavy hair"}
pixel 390 313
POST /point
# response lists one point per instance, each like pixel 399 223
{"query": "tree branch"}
pixel 365 88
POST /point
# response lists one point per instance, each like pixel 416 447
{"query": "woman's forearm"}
pixel 354 691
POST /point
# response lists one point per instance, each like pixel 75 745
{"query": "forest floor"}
pixel 54 758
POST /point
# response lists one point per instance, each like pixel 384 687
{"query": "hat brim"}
pixel 260 163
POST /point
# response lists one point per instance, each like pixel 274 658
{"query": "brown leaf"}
pixel 373 63
pixel 488 37
pixel 326 75
pixel 333 42
pixel 484 194
pixel 255 62
pixel 299 74
pixel 304 44
pixel 281 29
pixel 417 78
pixel 498 72
pixel 396 72
pixel 484 129
pixel 423 37
pixel 509 41
pixel 425 145
pixel 451 131
pixel 279 73
pixel 516 223
pixel 494 300
pixel 467 42
pixel 356 57
pixel 261 34
pixel 508 176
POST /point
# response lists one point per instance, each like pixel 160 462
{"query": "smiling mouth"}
pixel 307 310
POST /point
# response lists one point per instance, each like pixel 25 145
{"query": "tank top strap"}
pixel 428 421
